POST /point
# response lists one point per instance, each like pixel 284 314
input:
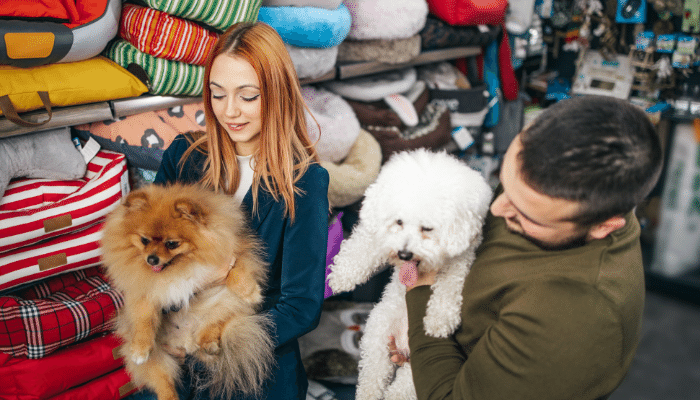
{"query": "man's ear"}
pixel 606 227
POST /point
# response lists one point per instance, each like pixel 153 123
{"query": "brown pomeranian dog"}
pixel 168 250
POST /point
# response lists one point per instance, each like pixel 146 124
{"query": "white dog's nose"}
pixel 405 255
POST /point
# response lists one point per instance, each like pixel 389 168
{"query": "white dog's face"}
pixel 425 208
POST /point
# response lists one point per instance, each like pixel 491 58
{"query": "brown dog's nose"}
pixel 405 255
pixel 153 259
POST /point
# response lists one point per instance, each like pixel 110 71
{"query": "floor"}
pixel 667 363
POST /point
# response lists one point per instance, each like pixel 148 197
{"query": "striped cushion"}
pixel 37 209
pixel 69 252
pixel 161 35
pixel 165 77
pixel 219 14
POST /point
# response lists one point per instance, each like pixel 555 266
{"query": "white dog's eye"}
pixel 399 222
pixel 425 229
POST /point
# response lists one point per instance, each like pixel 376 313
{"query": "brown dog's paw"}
pixel 209 339
pixel 139 353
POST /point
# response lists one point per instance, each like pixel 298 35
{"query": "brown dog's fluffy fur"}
pixel 164 247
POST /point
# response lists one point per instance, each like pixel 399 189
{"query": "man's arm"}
pixel 551 340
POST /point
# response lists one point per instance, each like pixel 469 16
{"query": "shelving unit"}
pixel 82 114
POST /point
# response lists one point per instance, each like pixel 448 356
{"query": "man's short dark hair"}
pixel 601 151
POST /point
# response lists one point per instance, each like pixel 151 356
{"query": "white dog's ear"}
pixel 462 233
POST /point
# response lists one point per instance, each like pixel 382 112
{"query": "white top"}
pixel 245 166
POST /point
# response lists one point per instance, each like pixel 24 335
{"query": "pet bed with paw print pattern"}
pixel 62 372
pixel 143 137
pixel 40 319
pixel 34 210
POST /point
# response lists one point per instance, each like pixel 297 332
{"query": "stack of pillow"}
pixel 167 41
pixel 311 31
pixel 385 31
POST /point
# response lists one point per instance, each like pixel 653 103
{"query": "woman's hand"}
pixel 397 356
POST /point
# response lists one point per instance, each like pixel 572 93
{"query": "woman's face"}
pixel 235 99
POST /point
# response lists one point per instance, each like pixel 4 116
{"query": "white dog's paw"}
pixel 338 283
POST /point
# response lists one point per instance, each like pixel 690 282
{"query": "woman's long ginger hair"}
pixel 285 150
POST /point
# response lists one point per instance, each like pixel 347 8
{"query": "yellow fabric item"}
pixel 81 82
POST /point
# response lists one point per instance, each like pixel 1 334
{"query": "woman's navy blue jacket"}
pixel 295 252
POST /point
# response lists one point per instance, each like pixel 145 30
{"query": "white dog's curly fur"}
pixel 430 207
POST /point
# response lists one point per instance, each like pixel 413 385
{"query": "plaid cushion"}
pixel 165 77
pixel 219 14
pixel 69 367
pixel 33 210
pixel 37 321
pixel 161 35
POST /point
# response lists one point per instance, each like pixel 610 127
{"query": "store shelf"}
pixel 356 69
pixel 82 114
pixel 62 116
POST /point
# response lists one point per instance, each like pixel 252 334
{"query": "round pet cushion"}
pixel 218 14
pixel 165 77
pixel 88 27
pixel 433 132
pixel 312 62
pixel 382 19
pixel 436 34
pixel 339 125
pixel 390 51
pixel 378 113
pixel 165 36
pixel 374 87
pixel 308 26
pixel 351 177
pixel 327 4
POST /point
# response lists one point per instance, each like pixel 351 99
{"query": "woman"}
pixel 255 115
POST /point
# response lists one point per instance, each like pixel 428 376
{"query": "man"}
pixel 553 303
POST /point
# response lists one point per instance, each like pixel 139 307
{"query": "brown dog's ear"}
pixel 136 200
pixel 190 210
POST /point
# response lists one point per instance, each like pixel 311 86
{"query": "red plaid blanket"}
pixel 54 313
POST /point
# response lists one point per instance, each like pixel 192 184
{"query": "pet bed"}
pixel 308 26
pixel 378 113
pixel 162 35
pixel 34 324
pixel 312 62
pixel 390 51
pixel 66 84
pixel 218 14
pixel 68 252
pixel 69 367
pixel 374 87
pixel 382 19
pixel 351 177
pixel 338 123
pixel 34 210
pixel 165 77
pixel 469 12
pixel 436 34
pixel 143 137
pixel 112 386
pixel 327 4
pixel 29 37
pixel 433 132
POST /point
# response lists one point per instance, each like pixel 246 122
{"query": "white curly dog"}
pixel 424 212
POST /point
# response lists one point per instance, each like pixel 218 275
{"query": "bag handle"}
pixel 9 111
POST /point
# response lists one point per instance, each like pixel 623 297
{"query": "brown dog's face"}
pixel 164 230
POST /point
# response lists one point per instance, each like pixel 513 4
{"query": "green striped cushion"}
pixel 166 77
pixel 219 14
